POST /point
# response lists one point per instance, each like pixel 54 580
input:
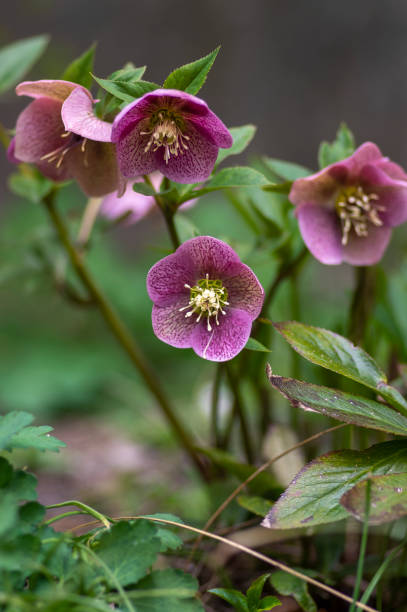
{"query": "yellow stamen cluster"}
pixel 58 154
pixel 166 132
pixel 356 209
pixel 207 299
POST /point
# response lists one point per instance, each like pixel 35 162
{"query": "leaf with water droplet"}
pixel 388 498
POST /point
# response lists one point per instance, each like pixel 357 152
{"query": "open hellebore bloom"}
pixel 346 211
pixel 204 298
pixel 170 131
pixel 136 205
pixel 59 133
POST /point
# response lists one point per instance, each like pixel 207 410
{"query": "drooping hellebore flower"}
pixel 170 131
pixel 59 133
pixel 136 205
pixel 346 211
pixel 204 298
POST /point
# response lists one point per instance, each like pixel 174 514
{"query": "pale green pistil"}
pixel 356 210
pixel 207 299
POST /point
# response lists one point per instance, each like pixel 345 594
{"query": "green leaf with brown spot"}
pixel 314 496
pixel 388 498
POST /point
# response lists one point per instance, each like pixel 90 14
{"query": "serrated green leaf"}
pixel 8 512
pixel 254 345
pixel 262 483
pixel 254 592
pixel 338 354
pixel 242 137
pixel 227 178
pixel 313 497
pixel 233 597
pixel 22 486
pixel 171 590
pixel 79 71
pixel 339 405
pixel 343 146
pixel 191 77
pixel 36 437
pixel 256 505
pixel 286 584
pixel 16 59
pixel 169 540
pixel 34 186
pixel 32 513
pixel 285 171
pixel 12 423
pixel 129 73
pixel 388 498
pixel 128 549
pixel 126 90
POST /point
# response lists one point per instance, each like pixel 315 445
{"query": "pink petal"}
pixel 366 250
pixel 11 152
pixel 171 326
pixel 79 118
pixel 167 278
pixel 392 194
pixel 57 90
pixel 225 340
pixel 95 168
pixel 319 188
pixel 244 290
pixel 321 232
pixel 367 153
pixel 39 129
pixel 128 118
pixel 192 165
pixel 133 159
pixel 207 255
pixel 392 169
pixel 137 204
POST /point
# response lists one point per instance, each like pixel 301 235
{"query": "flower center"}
pixel 207 299
pixel 58 154
pixel 356 209
pixel 166 132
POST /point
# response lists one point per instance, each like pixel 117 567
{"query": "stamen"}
pixel 166 132
pixel 356 210
pixel 207 299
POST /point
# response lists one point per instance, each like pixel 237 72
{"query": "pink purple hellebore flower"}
pixel 135 204
pixel 346 211
pixel 59 133
pixel 170 131
pixel 204 298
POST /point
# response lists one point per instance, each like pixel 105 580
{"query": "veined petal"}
pixel 213 128
pixel 11 152
pixel 54 89
pixel 191 165
pixel 39 130
pixel 207 255
pixel 225 340
pixel 320 189
pixel 367 250
pixel 171 325
pixel 79 118
pixel 127 120
pixel 133 159
pixel 244 290
pixel 95 167
pixel 321 232
pixel 168 277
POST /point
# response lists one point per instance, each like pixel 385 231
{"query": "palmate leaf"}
pixel 339 405
pixel 388 498
pixel 15 432
pixel 314 496
pixel 338 354
pixel 191 77
pixel 16 59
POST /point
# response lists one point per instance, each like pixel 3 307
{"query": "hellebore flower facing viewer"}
pixel 60 134
pixel 170 131
pixel 204 298
pixel 346 211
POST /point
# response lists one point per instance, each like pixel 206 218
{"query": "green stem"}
pixel 362 303
pixel 62 516
pixel 362 550
pixel 380 571
pixel 122 334
pixel 216 436
pixel 286 269
pixel 85 510
pixel 168 214
pixel 239 410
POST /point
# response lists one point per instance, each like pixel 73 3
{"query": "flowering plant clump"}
pixel 346 211
pixel 170 131
pixel 60 134
pixel 204 298
pixel 134 147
